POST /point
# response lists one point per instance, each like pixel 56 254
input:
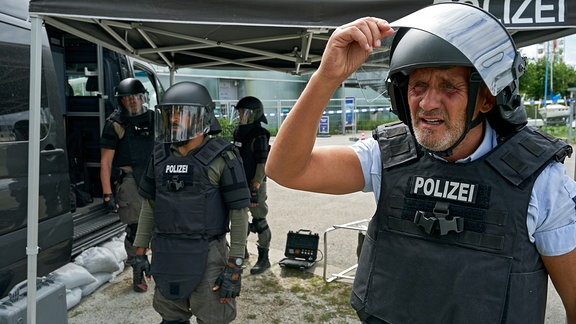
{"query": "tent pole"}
pixel 33 163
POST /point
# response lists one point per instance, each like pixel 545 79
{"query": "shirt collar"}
pixel 488 143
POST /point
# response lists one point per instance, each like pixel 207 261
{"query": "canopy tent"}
pixel 287 36
pixel 277 35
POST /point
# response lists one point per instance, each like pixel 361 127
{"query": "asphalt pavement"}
pixel 292 210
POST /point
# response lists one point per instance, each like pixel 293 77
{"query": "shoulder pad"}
pixel 212 149
pixel 527 153
pixel 161 152
pixel 397 145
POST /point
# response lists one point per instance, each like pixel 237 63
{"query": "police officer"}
pixel 126 144
pixel 195 190
pixel 252 140
pixel 475 209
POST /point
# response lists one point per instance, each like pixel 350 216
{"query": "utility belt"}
pixel 196 236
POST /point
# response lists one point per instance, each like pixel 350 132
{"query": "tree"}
pixel 532 82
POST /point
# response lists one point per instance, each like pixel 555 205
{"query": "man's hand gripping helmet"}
pixel 132 96
pixel 250 110
pixel 458 34
pixel 186 111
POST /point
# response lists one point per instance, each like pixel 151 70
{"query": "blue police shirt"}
pixel 551 217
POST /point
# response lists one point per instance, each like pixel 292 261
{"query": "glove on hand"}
pixel 230 282
pixel 254 195
pixel 111 203
pixel 140 267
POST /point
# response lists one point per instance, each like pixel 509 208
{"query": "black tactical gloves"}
pixel 254 195
pixel 111 203
pixel 140 267
pixel 230 282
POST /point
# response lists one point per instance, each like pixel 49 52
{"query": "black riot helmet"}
pixel 458 34
pixel 185 112
pixel 252 110
pixel 132 89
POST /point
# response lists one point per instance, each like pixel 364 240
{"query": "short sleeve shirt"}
pixel 551 218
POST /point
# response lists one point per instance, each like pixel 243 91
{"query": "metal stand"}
pixel 358 226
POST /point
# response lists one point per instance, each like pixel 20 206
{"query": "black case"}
pixel 301 249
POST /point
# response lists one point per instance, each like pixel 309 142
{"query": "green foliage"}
pixel 558 131
pixel 532 83
pixel 227 128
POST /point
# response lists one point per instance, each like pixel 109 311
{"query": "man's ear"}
pixel 486 100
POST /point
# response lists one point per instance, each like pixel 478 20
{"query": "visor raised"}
pixel 476 33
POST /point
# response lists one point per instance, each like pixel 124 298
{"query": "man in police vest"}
pixel 195 190
pixel 475 209
pixel 252 141
pixel 126 144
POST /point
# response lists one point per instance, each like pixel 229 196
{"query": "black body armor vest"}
pixel 189 212
pixel 135 148
pixel 449 242
pixel 252 143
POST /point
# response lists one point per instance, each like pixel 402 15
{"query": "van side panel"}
pixel 55 221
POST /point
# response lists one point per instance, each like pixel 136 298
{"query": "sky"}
pixel 569 50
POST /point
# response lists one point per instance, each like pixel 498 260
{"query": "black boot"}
pixel 263 262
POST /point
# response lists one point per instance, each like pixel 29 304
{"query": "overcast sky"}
pixel 570 50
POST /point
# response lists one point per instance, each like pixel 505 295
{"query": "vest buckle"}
pixel 440 221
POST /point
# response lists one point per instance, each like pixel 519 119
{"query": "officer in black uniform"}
pixel 126 144
pixel 252 140
pixel 195 192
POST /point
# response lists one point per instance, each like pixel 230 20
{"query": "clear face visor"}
pixel 178 123
pixel 477 34
pixel 135 104
pixel 244 116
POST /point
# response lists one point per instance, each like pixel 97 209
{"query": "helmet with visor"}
pixel 186 111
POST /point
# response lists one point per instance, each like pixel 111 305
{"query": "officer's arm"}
pixel 238 231
pixel 228 175
pixel 106 158
pixel 294 162
pixel 563 275
pixel 259 175
pixel 145 226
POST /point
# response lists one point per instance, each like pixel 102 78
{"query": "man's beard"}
pixel 430 139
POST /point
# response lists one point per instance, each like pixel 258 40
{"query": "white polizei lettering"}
pixel 516 18
pixel 463 192
pixel 447 189
pixel 428 187
pixel 418 184
pixel 540 8
pixel 437 193
pixel 181 168
pixel 471 194
pixel 453 187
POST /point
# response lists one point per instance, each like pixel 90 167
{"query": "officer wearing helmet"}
pixel 252 140
pixel 474 209
pixel 126 144
pixel 195 192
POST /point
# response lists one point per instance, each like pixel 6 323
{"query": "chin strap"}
pixel 473 86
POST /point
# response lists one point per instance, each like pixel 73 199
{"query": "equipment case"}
pixel 50 303
pixel 301 250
